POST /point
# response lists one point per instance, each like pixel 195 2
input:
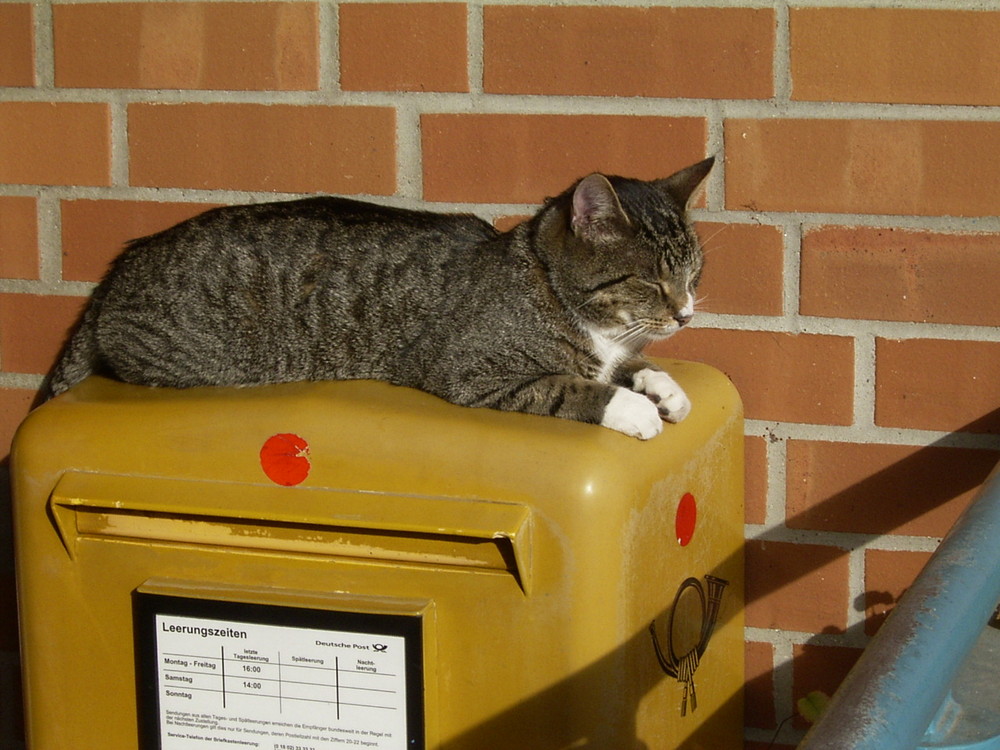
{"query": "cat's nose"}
pixel 683 319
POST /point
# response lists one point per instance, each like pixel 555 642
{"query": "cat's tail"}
pixel 79 358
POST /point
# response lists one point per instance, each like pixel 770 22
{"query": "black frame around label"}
pixel 146 607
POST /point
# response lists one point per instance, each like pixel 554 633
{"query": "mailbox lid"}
pixel 360 435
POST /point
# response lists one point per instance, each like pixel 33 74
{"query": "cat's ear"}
pixel 597 213
pixel 681 186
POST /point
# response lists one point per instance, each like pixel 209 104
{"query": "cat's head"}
pixel 629 261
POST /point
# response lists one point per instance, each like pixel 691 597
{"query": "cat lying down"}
pixel 548 318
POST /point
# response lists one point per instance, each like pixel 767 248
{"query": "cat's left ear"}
pixel 681 186
pixel 597 212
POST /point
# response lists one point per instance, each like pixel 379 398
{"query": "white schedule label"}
pixel 239 684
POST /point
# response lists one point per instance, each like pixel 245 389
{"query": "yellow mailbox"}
pixel 316 566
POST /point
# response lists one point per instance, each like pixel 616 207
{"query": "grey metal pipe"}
pixel 894 690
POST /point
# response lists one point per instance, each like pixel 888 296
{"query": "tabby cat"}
pixel 547 318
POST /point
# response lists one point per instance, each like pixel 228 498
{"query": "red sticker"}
pixel 285 459
pixel 687 516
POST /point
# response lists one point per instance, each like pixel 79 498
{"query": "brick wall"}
pixel 852 223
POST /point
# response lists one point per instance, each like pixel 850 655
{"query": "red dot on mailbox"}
pixel 285 459
pixel 687 516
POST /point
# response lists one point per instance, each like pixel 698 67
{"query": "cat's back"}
pixel 277 250
pixel 349 216
pixel 305 226
pixel 316 288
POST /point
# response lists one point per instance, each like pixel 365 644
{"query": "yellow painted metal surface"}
pixel 578 588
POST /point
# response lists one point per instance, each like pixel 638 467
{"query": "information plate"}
pixel 216 674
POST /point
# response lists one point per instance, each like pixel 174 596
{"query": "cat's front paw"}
pixel 633 414
pixel 670 398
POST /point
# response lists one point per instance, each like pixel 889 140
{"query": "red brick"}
pixel 14 406
pixel 33 329
pixel 864 166
pixel 744 269
pixel 758 696
pixel 796 587
pixel 934 384
pixel 55 143
pixel 755 493
pixel 881 489
pixel 895 55
pixel 279 147
pixel 819 668
pixel 403 47
pixel 506 223
pixel 899 274
pixel 18 238
pixel 95 231
pixel 507 158
pixel 887 576
pixel 187 45
pixel 784 377
pixel 720 53
pixel 17 45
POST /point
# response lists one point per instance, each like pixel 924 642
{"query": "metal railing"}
pixel 892 694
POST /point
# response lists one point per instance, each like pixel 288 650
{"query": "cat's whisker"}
pixel 586 302
pixel 716 233
pixel 629 332
pixel 633 333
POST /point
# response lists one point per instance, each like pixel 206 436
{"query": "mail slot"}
pixel 353 564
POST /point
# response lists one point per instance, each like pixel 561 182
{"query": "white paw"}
pixel 633 414
pixel 670 398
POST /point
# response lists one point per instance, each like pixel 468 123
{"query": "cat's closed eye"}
pixel 610 283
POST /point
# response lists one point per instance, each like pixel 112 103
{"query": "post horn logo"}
pixel 686 638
